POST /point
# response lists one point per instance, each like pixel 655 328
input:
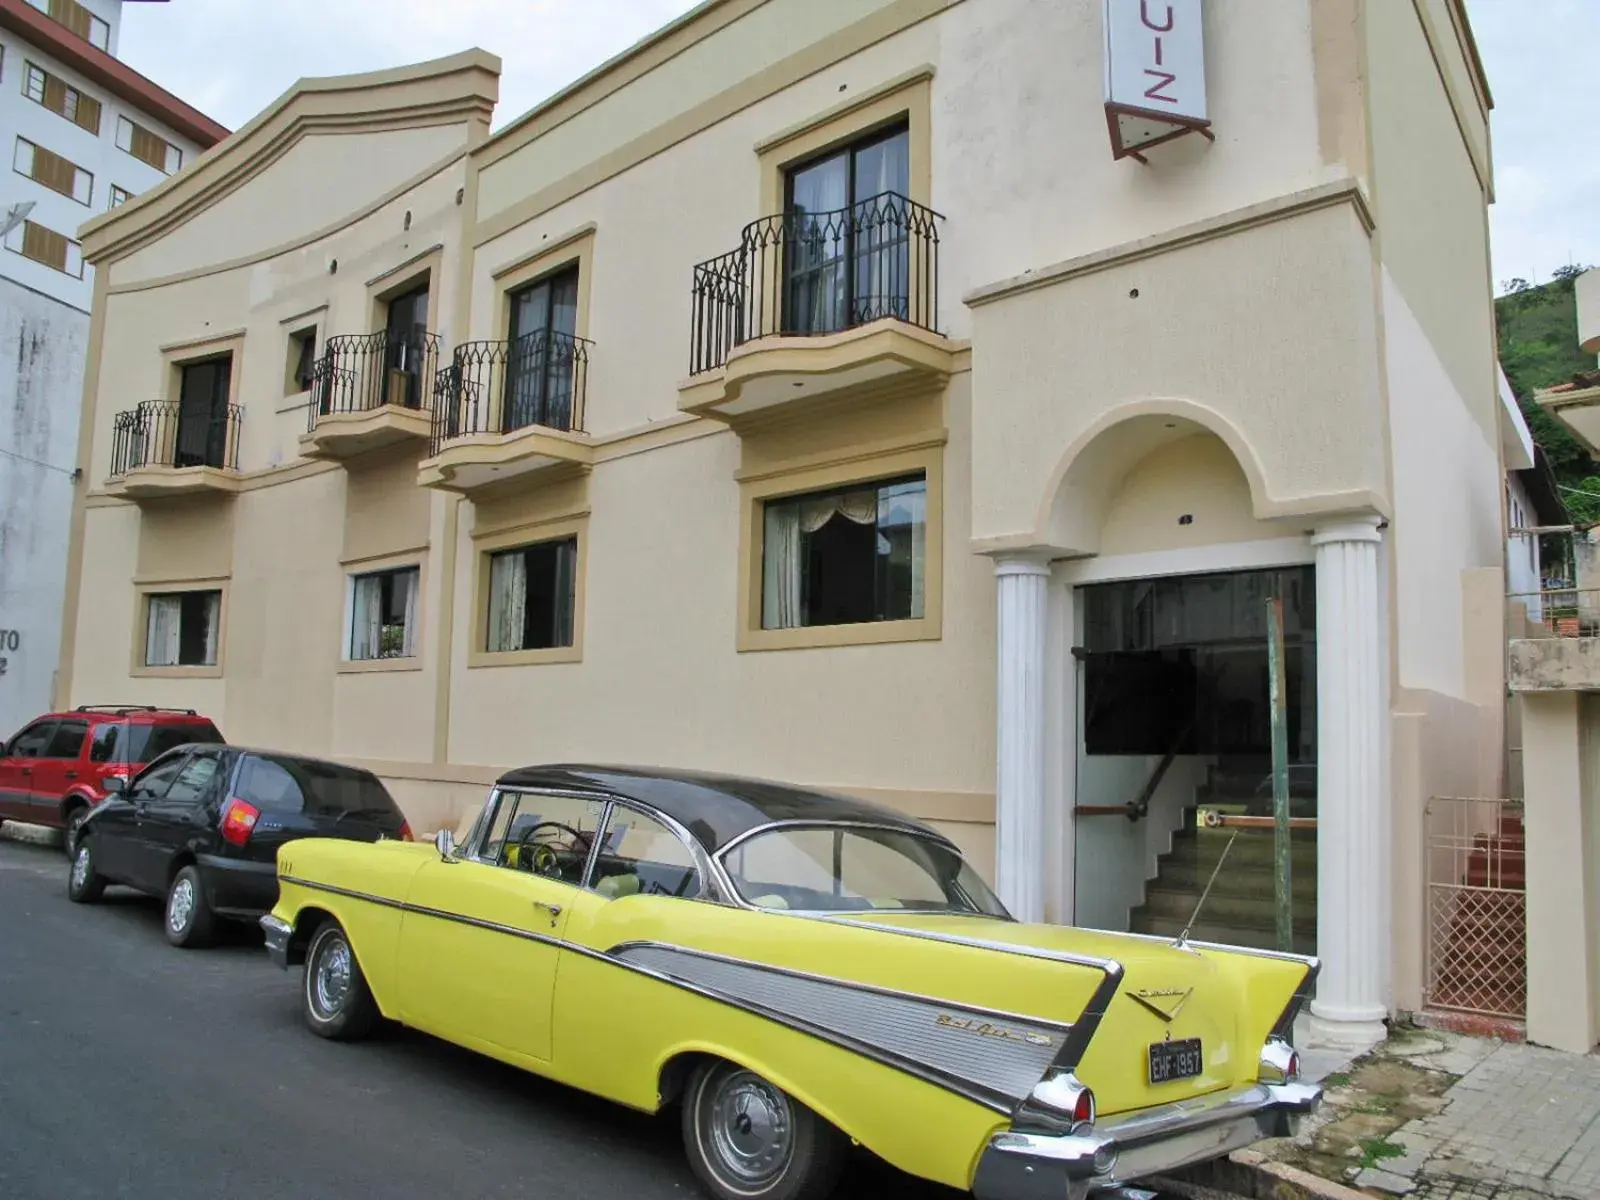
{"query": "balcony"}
pixel 369 391
pixel 508 409
pixel 841 303
pixel 1554 612
pixel 163 449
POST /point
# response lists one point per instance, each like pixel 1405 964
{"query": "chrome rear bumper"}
pixel 1120 1150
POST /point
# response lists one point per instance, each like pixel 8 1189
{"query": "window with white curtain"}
pixel 383 614
pixel 847 556
pixel 531 596
pixel 181 629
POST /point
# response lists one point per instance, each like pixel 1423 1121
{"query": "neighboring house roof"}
pixel 121 80
pixel 1544 494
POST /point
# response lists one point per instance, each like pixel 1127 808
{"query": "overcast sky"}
pixel 231 58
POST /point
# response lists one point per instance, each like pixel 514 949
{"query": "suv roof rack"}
pixel 132 708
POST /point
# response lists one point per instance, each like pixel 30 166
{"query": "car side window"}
pixel 103 748
pixel 67 740
pixel 544 834
pixel 643 856
pixel 30 743
pixel 194 780
pixel 155 780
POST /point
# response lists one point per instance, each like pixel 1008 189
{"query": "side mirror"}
pixel 116 785
pixel 445 843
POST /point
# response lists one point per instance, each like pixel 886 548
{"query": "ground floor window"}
pixel 531 596
pixel 181 629
pixel 845 556
pixel 383 614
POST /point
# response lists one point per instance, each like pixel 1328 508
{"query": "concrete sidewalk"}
pixel 1439 1116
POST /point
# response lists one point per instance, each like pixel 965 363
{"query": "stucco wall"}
pixel 42 344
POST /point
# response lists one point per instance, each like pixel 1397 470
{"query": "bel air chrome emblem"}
pixel 1166 1003
pixel 985 1029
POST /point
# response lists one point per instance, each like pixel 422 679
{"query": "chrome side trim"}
pixel 932 835
pixel 1252 951
pixel 956 939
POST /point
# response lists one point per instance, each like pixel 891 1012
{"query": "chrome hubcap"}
pixel 180 906
pixel 80 868
pixel 331 983
pixel 751 1129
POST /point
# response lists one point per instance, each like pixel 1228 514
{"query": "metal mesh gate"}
pixel 1477 907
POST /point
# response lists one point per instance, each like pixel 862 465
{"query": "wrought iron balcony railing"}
pixel 803 274
pixel 499 387
pixel 359 372
pixel 163 433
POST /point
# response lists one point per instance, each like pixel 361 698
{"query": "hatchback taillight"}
pixel 405 832
pixel 239 819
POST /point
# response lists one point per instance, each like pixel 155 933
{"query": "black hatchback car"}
pixel 201 826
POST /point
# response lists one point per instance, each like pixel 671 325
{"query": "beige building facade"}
pixel 812 393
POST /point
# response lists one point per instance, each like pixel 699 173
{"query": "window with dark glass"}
pixel 181 629
pixel 67 741
pixel 202 435
pixel 302 360
pixel 541 354
pixel 846 229
pixel 845 556
pixel 383 614
pixel 531 596
pixel 405 347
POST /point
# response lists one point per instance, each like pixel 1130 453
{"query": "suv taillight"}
pixel 239 819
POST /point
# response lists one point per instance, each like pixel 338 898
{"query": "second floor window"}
pixel 845 557
pixel 383 614
pixel 531 596
pixel 202 435
pixel 54 172
pixel 846 235
pixel 539 367
pixel 61 98
pixel 181 629
pixel 148 147
pixel 405 347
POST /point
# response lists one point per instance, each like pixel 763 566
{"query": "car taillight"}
pixel 1083 1110
pixel 405 832
pixel 239 819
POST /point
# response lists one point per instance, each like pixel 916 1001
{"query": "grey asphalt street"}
pixel 132 1070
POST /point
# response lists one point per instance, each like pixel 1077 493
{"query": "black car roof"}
pixel 716 809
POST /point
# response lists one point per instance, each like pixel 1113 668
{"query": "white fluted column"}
pixel 1023 590
pixel 1352 788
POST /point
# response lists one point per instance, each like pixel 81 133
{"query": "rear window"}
pixel 125 742
pixel 298 785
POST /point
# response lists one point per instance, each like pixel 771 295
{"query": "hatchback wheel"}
pixel 76 815
pixel 749 1140
pixel 337 1002
pixel 84 883
pixel 189 921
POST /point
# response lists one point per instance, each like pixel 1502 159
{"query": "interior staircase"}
pixel 1240 909
pixel 1479 934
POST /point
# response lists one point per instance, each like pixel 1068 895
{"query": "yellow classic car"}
pixel 795 972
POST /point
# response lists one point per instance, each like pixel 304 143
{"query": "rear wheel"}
pixel 337 1002
pixel 747 1139
pixel 189 921
pixel 84 884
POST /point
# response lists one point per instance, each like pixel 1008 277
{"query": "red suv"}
pixel 54 771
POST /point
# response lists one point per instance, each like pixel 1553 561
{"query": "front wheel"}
pixel 747 1139
pixel 338 1004
pixel 84 883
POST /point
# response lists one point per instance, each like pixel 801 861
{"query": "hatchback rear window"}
pixel 282 784
pixel 125 742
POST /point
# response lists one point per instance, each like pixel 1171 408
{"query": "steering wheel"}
pixel 545 860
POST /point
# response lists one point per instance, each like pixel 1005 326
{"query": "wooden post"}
pixel 1283 895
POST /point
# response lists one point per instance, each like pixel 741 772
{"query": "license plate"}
pixel 1175 1060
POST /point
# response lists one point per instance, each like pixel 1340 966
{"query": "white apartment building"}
pixel 81 132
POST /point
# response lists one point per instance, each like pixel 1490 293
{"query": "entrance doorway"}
pixel 1175 728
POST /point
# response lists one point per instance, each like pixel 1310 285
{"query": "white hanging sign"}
pixel 1155 73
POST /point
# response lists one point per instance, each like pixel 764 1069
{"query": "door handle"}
pixel 553 909
pixel 71 775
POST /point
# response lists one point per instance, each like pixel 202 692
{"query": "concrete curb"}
pixel 33 835
pixel 1251 1174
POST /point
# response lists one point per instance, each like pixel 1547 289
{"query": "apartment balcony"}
pixel 1555 641
pixel 369 391
pixel 508 409
pixel 165 449
pixel 819 305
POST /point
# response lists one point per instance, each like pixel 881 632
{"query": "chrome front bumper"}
pixel 1120 1150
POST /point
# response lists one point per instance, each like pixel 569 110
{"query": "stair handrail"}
pixel 1139 807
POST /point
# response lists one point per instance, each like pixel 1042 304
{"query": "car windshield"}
pixel 856 869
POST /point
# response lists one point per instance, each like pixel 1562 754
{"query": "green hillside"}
pixel 1539 348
